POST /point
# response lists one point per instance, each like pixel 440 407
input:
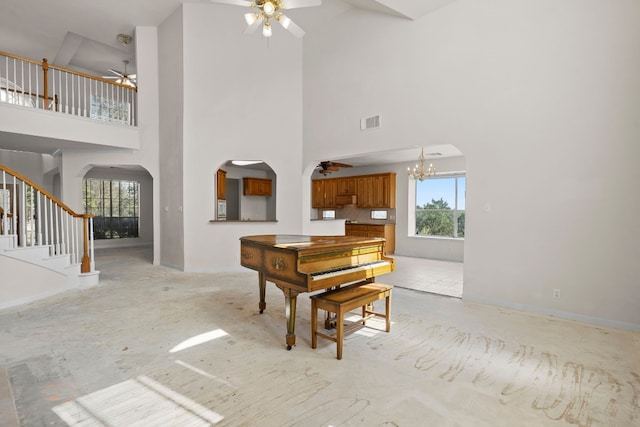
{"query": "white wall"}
pixel 171 76
pixel 30 165
pixel 28 282
pixel 242 100
pixel 74 164
pixel 541 97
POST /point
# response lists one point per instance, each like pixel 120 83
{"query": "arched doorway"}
pixel 121 199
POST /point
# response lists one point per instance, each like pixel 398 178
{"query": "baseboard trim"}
pixel 554 313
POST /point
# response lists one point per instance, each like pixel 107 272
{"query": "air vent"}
pixel 370 123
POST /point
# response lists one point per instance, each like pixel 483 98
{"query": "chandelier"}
pixel 419 172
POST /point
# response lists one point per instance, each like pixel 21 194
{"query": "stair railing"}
pixel 33 217
pixel 41 85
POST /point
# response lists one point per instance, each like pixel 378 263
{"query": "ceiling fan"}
pixel 122 77
pixel 270 9
pixel 328 167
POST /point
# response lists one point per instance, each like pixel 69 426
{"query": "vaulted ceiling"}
pixel 83 35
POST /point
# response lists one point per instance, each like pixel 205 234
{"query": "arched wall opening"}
pixel 245 191
pixel 118 223
pixel 445 253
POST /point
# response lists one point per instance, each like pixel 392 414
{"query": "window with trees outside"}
pixel 440 206
pixel 115 205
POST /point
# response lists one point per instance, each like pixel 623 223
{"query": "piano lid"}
pixel 295 242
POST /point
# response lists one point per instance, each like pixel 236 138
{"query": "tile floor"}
pixel 427 275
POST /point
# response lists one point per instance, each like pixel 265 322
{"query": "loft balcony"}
pixel 45 108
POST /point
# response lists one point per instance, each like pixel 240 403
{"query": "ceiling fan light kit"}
pixel 124 39
pixel 123 77
pixel 268 9
pixel 266 29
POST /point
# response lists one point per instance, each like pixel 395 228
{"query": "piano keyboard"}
pixel 350 269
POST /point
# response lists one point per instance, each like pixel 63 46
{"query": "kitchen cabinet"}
pixel 371 191
pixel 377 191
pixel 387 231
pixel 384 191
pixel 365 191
pixel 221 185
pixel 346 186
pixel 256 187
pixel 323 193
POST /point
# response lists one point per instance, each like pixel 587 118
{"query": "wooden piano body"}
pixel 298 264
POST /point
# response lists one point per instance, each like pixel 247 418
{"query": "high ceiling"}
pixel 83 35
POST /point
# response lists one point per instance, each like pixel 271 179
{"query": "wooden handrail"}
pixel 45 65
pixel 43 191
pixel 22 92
pixel 89 76
pixel 85 265
pixel 21 58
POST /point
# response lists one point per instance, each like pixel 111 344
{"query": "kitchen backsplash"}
pixel 354 214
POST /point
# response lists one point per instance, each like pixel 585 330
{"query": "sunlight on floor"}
pixel 373 327
pixel 199 339
pixel 141 401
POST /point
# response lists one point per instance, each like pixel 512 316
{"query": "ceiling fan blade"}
pixel 132 76
pixel 340 165
pixel 254 26
pixel 294 4
pixel 116 72
pixel 290 26
pixel 234 2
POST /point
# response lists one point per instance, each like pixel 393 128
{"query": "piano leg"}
pixel 290 302
pixel 330 320
pixel 262 285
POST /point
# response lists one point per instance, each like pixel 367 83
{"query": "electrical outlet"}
pixel 556 293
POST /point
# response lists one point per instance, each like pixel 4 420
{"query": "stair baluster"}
pixel 33 217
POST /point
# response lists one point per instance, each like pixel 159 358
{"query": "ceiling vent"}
pixel 370 123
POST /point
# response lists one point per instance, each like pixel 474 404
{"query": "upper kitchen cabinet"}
pixel 377 191
pixel 346 186
pixel 256 187
pixel 323 193
pixel 370 191
pixel 221 184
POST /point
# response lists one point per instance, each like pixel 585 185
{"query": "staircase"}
pixel 45 247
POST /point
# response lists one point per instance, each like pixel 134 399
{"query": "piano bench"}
pixel 343 300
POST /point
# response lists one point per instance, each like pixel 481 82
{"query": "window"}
pixel 440 206
pixel 115 205
pixel 379 215
pixel 109 110
pixel 329 214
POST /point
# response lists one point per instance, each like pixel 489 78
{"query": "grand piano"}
pixel 298 264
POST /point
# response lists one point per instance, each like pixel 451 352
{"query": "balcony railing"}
pixel 32 84
pixel 33 217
